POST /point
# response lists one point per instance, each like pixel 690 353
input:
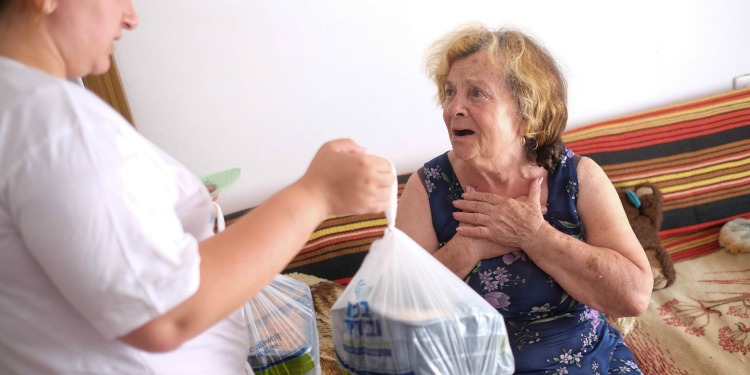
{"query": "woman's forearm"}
pixel 457 257
pixel 596 276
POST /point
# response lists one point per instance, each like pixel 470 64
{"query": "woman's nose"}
pixel 454 106
pixel 130 18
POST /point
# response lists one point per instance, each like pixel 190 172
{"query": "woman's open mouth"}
pixel 462 132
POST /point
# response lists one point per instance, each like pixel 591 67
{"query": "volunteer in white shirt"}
pixel 108 264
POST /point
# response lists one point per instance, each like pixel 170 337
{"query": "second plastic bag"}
pixel 283 329
pixel 281 324
pixel 404 312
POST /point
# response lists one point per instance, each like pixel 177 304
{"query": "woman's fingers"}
pixel 472 218
pixel 503 220
pixel 472 195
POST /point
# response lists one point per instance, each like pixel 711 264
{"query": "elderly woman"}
pixel 108 264
pixel 536 230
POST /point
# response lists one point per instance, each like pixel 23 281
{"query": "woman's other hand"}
pixel 482 248
pixel 506 221
pixel 348 180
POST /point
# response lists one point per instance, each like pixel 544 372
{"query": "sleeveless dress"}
pixel 549 331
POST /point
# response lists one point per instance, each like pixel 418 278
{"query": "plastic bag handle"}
pixel 219 220
pixel 390 212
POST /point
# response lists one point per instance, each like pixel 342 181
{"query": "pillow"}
pixel 338 246
pixel 696 152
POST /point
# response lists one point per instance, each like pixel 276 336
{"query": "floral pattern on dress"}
pixel 537 311
pixel 431 175
pixel 568 154
pixel 569 358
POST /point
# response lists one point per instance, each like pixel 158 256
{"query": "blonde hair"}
pixel 530 73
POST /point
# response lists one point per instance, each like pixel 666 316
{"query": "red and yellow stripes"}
pixel 691 245
pixel 640 129
pixel 687 179
pixel 339 244
pixel 696 152
pixel 340 236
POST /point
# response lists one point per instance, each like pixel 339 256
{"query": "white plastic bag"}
pixel 281 324
pixel 283 329
pixel 405 312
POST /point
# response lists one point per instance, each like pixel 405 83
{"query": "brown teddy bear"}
pixel 644 209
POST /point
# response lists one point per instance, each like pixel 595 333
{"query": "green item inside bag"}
pixel 297 366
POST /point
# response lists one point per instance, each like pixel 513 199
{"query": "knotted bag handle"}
pixel 390 212
pixel 218 220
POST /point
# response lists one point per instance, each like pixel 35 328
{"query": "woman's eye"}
pixel 450 92
pixel 479 94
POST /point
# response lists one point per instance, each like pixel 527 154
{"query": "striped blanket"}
pixel 697 153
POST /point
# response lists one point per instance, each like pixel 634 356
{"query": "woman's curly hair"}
pixel 531 74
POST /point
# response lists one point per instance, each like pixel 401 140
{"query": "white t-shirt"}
pixel 99 233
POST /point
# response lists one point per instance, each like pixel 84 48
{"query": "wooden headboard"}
pixel 109 87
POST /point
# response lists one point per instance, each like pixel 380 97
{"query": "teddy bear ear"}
pixel 633 198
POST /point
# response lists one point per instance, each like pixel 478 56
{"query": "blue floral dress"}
pixel 549 331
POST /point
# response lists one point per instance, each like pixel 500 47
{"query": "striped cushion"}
pixel 338 245
pixel 697 152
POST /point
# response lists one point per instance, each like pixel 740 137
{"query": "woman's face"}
pixel 84 32
pixel 478 109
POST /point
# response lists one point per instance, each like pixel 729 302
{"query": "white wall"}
pixel 261 84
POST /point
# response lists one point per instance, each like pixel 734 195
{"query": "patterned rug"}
pixel 701 324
